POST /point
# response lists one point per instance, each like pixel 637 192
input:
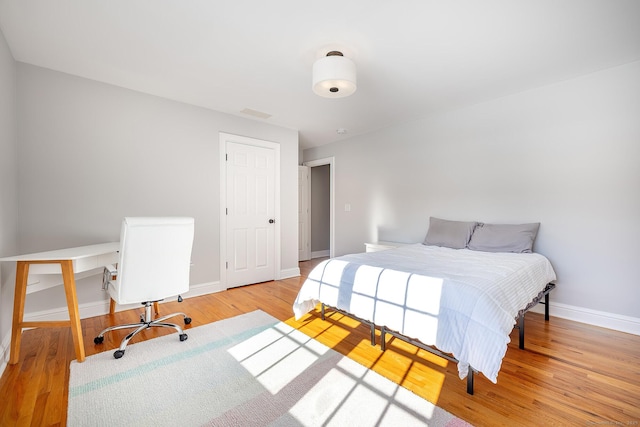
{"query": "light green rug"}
pixel 249 370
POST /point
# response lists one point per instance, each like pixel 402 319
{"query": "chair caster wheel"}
pixel 98 340
pixel 183 337
pixel 187 320
pixel 118 354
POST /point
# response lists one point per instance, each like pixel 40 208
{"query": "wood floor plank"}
pixel 570 374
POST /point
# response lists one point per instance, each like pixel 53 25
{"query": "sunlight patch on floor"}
pixel 400 358
pixel 273 365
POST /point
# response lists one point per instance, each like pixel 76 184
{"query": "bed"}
pixel 458 302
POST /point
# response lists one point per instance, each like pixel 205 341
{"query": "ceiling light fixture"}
pixel 334 76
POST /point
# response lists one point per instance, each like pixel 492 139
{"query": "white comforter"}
pixel 464 302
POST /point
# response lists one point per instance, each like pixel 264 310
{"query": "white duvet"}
pixel 464 302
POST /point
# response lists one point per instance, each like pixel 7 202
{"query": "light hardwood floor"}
pixel 570 374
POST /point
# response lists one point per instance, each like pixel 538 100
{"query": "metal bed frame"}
pixel 544 294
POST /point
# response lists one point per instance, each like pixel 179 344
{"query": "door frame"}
pixel 305 196
pixel 331 161
pixel 223 139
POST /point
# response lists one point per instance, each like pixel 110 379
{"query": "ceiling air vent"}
pixel 255 113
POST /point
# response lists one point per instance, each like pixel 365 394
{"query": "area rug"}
pixel 249 370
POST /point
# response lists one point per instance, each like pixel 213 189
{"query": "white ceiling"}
pixel 414 57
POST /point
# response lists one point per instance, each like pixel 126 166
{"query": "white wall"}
pixel 566 155
pixel 92 153
pixel 8 186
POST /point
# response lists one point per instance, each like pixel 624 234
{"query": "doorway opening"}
pixel 320 224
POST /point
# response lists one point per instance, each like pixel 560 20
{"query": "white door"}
pixel 304 214
pixel 250 214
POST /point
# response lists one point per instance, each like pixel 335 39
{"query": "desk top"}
pixel 69 253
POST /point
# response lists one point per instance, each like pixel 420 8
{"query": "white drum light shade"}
pixel 334 76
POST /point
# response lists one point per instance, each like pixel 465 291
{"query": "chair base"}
pixel 146 322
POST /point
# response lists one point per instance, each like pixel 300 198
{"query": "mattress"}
pixel 463 302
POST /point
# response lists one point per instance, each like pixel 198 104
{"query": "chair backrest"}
pixel 155 259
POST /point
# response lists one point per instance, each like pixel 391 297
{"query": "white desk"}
pixel 67 262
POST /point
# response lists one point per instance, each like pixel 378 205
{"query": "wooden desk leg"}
pixel 22 273
pixel 72 304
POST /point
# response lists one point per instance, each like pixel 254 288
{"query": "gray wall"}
pixel 8 183
pixel 92 153
pixel 8 150
pixel 320 215
pixel 565 155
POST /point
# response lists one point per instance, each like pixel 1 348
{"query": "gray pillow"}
pixel 516 238
pixel 450 234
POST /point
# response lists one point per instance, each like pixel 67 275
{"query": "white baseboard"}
pixel 4 348
pixel 602 319
pixel 320 254
pixel 98 308
pixel 204 289
pixel 290 272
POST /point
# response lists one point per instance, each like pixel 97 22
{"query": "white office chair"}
pixel 154 263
